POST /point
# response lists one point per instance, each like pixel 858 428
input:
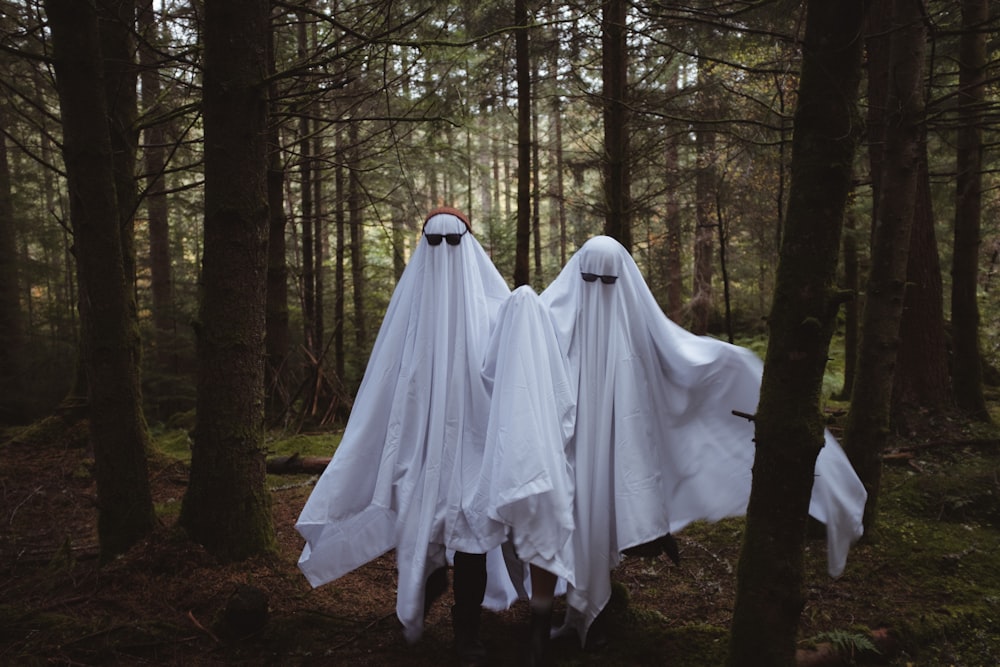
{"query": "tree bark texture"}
pixel 306 202
pixel 12 399
pixel 277 338
pixel 339 281
pixel 320 244
pixel 789 425
pixel 557 190
pixel 117 27
pixel 157 211
pixel 867 428
pixel 674 274
pixel 921 376
pixel 967 372
pixel 536 187
pixel 226 507
pixel 522 263
pixel 617 153
pixel 354 215
pixel 705 231
pixel 110 340
pixel 922 382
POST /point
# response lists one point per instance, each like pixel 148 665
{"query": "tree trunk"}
pixel 485 185
pixel 671 176
pixel 852 285
pixel 354 213
pixel 226 507
pixel 306 200
pixel 117 26
pixel 704 236
pixel 967 372
pixel 12 399
pixel 789 425
pixel 495 161
pixel 617 170
pixel 536 186
pixel 557 194
pixel 921 382
pixel 157 212
pixel 921 374
pixel 277 338
pixel 723 233
pixel 110 340
pixel 308 247
pixel 320 249
pixel 522 265
pixel 867 427
pixel 339 282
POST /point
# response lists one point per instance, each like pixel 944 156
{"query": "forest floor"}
pixel 925 589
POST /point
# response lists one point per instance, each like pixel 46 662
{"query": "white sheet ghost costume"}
pixel 525 493
pixel 655 445
pixel 407 467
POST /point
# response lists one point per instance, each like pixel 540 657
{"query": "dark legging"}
pixel 470 581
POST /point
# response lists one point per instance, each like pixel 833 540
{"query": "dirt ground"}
pixel 160 604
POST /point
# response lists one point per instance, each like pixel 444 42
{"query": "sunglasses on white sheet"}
pixel 593 277
pixel 452 239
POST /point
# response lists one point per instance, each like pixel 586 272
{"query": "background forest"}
pixel 186 185
pixel 380 111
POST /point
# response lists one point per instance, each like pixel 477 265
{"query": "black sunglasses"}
pixel 591 277
pixel 452 239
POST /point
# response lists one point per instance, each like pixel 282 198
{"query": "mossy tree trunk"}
pixel 867 428
pixel 789 424
pixel 226 507
pixel 110 339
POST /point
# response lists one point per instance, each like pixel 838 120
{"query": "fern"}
pixel 847 644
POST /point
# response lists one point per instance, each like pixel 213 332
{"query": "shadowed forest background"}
pixel 205 206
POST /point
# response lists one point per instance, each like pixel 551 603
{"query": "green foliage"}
pixel 52 429
pixel 756 343
pixel 172 443
pixel 316 444
pixel 952 487
pixel 847 644
pixel 937 540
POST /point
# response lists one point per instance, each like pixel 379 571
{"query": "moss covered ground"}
pixel 928 577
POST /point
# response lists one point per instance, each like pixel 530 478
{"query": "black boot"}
pixel 664 544
pixel 539 635
pixel 468 647
pixel 469 586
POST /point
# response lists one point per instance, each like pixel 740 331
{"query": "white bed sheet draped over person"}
pixel 655 444
pixel 526 490
pixel 407 467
